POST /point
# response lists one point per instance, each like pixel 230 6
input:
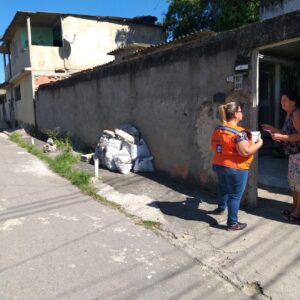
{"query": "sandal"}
pixel 291 218
pixel 286 212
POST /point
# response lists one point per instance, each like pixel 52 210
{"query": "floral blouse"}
pixel 288 128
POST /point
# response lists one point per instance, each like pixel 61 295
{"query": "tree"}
pixel 236 13
pixel 186 16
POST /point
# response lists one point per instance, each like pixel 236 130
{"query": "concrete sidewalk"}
pixel 263 260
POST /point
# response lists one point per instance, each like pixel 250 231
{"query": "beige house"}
pixel 40 47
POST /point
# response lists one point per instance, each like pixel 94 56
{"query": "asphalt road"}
pixel 56 243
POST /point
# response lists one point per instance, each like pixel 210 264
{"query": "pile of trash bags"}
pixel 124 150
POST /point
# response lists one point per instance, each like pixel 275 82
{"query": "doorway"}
pixel 279 70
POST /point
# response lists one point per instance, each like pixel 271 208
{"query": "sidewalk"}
pixel 263 260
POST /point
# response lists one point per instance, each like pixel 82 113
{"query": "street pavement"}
pixel 56 243
pixel 263 260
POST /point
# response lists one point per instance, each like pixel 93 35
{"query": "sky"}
pixel 115 8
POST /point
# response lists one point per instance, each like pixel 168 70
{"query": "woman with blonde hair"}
pixel 233 154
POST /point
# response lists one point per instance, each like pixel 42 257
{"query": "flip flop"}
pixel 291 218
pixel 286 212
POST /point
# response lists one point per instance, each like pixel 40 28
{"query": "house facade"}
pixel 43 47
pixel 273 8
pixel 3 118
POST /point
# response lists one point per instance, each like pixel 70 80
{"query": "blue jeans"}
pixel 232 184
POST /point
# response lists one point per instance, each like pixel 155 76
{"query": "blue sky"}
pixel 116 8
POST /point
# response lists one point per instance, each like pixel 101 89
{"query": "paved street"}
pixel 59 244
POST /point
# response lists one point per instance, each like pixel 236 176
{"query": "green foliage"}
pixel 151 224
pixel 63 164
pixel 61 140
pixel 186 16
pixel 18 139
pixel 236 13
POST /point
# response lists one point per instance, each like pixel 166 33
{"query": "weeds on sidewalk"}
pixel 151 224
pixel 18 139
pixel 61 140
pixel 63 164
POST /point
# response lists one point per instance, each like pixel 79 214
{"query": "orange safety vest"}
pixel 223 145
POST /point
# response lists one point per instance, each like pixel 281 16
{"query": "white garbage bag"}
pixel 123 160
pixel 131 149
pixel 133 152
pixel 103 141
pixel 109 160
pixel 112 148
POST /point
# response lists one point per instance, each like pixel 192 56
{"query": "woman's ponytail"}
pixel 222 113
pixel 228 110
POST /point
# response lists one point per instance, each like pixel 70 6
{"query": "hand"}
pixel 267 127
pixel 278 137
pixel 259 141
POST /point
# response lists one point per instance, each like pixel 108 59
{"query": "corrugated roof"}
pixel 184 39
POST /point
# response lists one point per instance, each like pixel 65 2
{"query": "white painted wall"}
pixel 93 39
pixel 24 108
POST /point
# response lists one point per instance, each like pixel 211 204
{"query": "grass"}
pixel 63 164
pixel 19 140
pixel 151 224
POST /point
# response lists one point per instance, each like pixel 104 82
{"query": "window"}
pixel 238 82
pixel 17 91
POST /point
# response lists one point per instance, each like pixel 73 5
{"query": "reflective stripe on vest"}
pixel 232 130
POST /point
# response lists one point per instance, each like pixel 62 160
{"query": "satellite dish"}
pixel 69 39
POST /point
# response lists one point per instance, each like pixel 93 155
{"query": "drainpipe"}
pixel 29 38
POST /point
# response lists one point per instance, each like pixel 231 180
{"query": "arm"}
pixel 295 137
pixel 268 127
pixel 246 148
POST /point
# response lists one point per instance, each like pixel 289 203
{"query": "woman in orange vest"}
pixel 233 154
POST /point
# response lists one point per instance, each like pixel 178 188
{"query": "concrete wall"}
pixel 88 45
pixel 171 95
pixel 273 8
pixel 94 39
pixel 45 58
pixel 24 112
